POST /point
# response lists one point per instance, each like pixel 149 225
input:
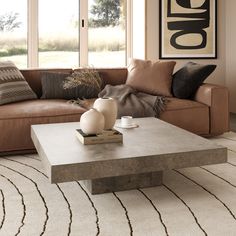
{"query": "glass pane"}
pixel 107 33
pixel 58 33
pixel 13 31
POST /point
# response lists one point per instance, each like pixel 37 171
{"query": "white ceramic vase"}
pixel 108 107
pixel 92 122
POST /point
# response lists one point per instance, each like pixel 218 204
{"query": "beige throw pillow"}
pixel 151 77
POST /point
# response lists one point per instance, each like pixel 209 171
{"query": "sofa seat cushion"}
pixel 178 104
pixel 16 119
pixel 39 108
pixel 189 115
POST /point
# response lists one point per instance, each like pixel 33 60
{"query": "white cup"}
pixel 126 121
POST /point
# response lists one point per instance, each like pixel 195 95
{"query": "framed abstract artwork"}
pixel 188 29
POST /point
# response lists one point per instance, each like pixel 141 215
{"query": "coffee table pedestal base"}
pixel 121 183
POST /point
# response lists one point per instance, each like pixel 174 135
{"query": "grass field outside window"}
pixel 106 48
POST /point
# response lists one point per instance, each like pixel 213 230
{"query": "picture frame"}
pixel 188 30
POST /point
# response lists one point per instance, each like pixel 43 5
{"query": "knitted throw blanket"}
pixel 133 103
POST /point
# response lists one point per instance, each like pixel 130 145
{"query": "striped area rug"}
pixel 192 201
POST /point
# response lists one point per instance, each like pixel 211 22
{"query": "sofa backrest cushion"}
pixel 33 77
pixel 56 85
pixel 13 87
pixel 113 76
pixel 52 85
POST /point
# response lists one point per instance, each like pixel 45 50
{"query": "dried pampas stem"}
pixel 87 77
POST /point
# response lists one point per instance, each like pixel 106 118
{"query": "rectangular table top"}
pixel 155 145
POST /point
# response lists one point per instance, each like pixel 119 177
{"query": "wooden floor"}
pixel 233 122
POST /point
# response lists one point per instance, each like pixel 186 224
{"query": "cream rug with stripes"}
pixel 192 201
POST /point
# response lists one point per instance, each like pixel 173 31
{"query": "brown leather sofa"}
pixel 207 115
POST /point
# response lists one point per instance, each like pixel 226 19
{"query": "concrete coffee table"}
pixel 146 152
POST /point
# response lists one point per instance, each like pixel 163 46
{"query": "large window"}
pixel 107 33
pixel 58 33
pixel 13 31
pixel 64 33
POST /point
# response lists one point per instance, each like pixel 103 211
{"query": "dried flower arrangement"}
pixel 88 77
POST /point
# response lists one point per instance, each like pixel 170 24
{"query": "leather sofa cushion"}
pixel 16 119
pixel 189 115
pixel 39 108
pixel 113 76
pixel 33 77
pixel 180 104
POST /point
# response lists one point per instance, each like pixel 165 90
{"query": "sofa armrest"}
pixel 217 98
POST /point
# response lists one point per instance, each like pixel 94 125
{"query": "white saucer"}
pixel 119 125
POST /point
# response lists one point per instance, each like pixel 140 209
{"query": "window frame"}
pixel 32 37
pixel 33 34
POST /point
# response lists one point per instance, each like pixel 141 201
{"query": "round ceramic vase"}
pixel 92 122
pixel 108 107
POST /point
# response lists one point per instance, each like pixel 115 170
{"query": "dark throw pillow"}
pixel 13 86
pixel 187 80
pixel 53 87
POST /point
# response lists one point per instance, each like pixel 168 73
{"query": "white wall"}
pixel 231 52
pixel 152 40
pixel 139 24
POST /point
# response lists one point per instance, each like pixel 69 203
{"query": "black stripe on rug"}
pixel 231 164
pixel 69 208
pixel 231 150
pixel 126 213
pixel 210 172
pixel 158 212
pixel 40 194
pixel 3 209
pixel 93 206
pixel 60 190
pixel 228 209
pixel 228 139
pixel 188 207
pixel 22 202
pixel 24 164
pixel 28 156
